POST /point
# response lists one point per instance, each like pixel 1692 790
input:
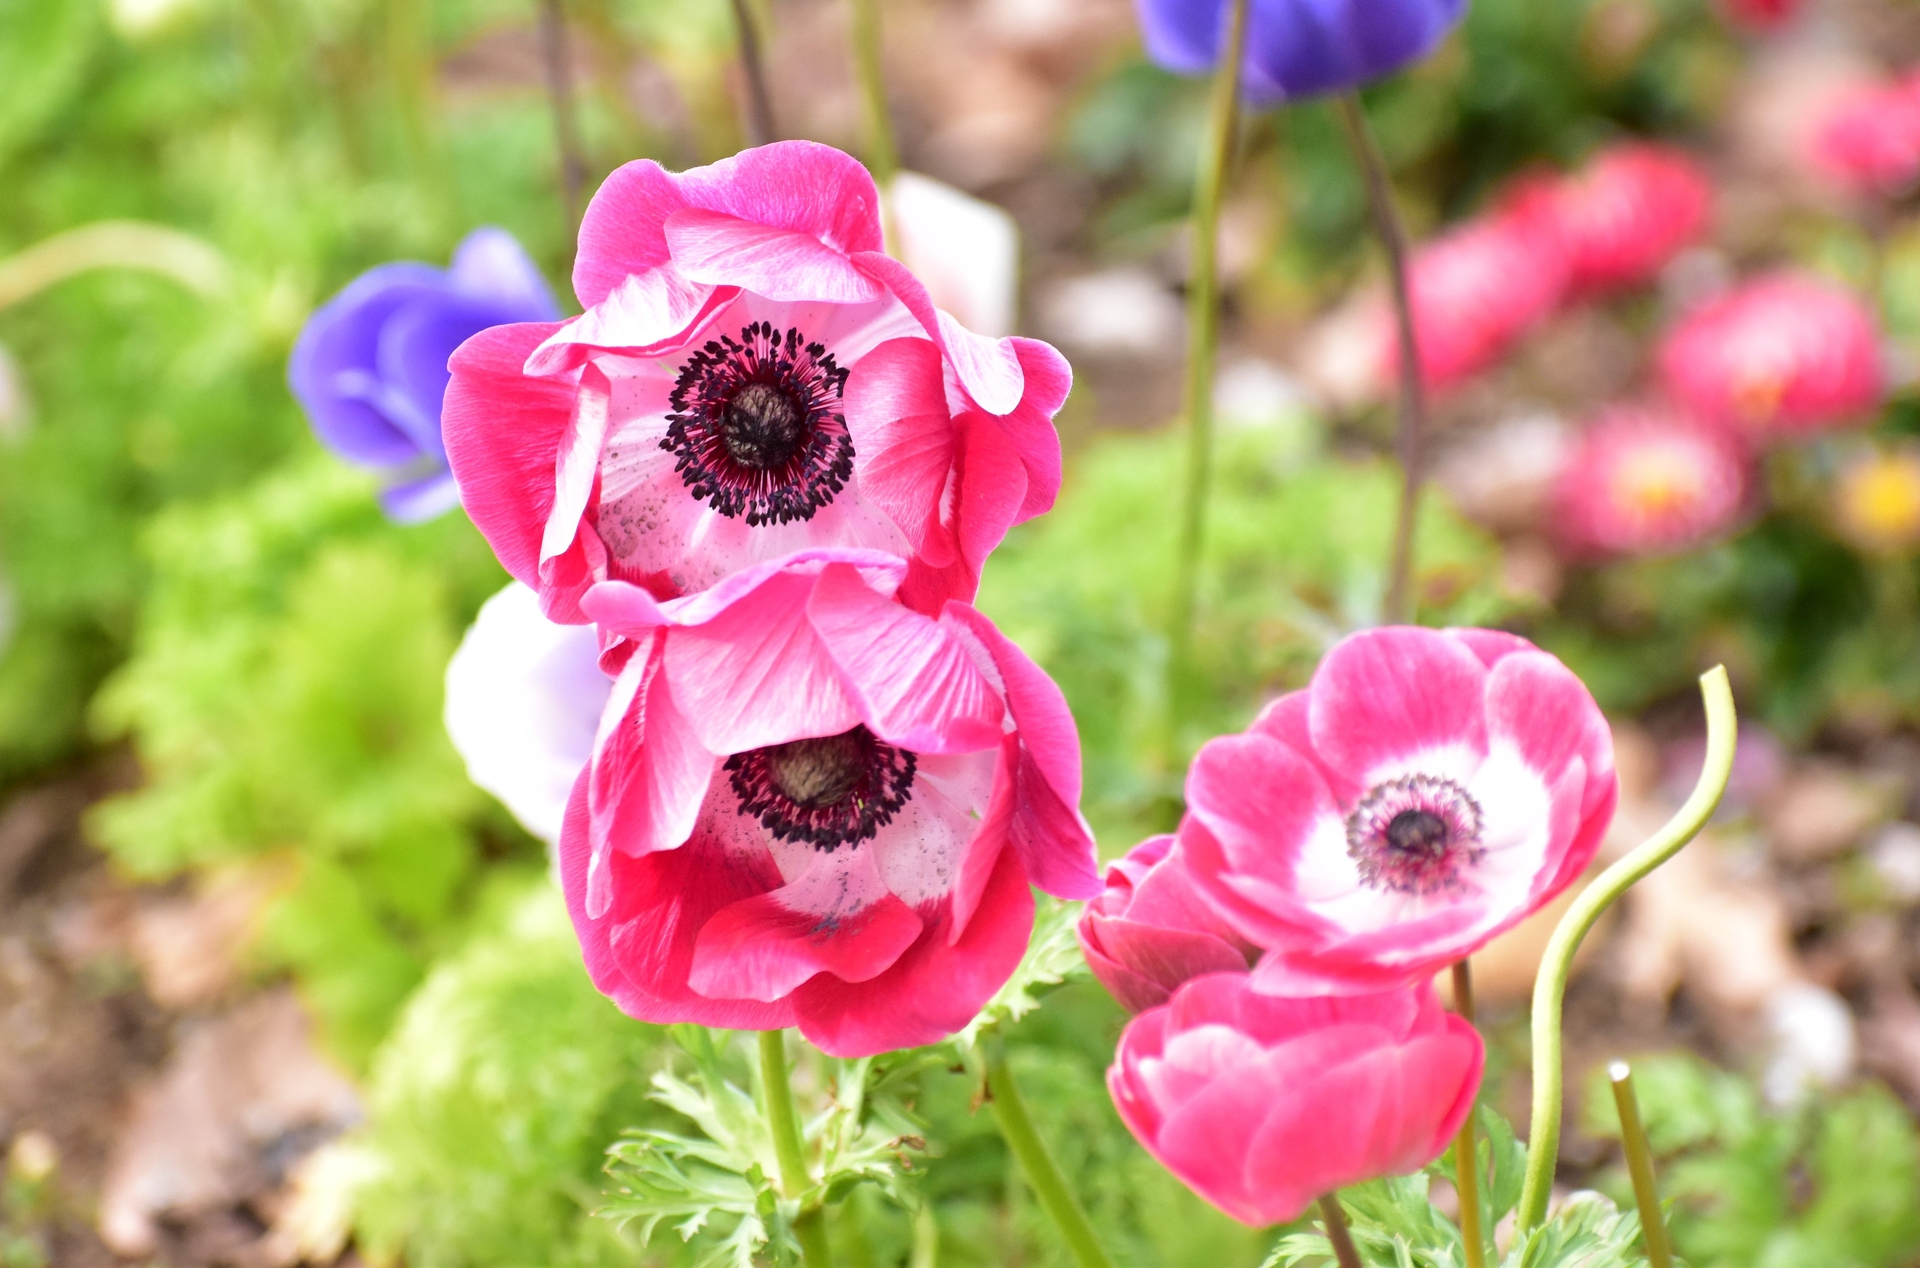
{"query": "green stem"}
pixel 760 125
pixel 883 153
pixel 1466 1155
pixel 809 1226
pixel 1392 232
pixel 1043 1176
pixel 1550 988
pixel 566 125
pixel 1338 1237
pixel 1633 1137
pixel 1203 334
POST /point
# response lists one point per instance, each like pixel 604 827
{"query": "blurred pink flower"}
pixel 1645 480
pixel 1262 1104
pixel 1475 291
pixel 809 805
pixel 1622 217
pixel 1785 355
pixel 1427 791
pixel 1760 15
pixel 1867 138
pixel 751 377
pixel 1151 930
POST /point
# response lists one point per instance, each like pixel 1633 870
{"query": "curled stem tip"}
pixel 1203 334
pixel 1550 987
pixel 1633 1138
pixel 1043 1174
pixel 1338 1237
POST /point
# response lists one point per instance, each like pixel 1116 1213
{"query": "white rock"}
pixel 965 251
pixel 1895 854
pixel 1813 1042
pixel 524 696
pixel 1120 313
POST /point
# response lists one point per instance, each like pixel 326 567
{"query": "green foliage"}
pixel 1830 1184
pixel 285 697
pixel 491 1103
pixel 1296 554
pixel 1395 1225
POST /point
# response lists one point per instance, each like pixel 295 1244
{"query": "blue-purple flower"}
pixel 370 368
pixel 1299 48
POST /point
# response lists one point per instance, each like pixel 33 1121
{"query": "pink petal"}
pixel 903 442
pixel 1384 695
pixel 644 314
pixel 988 369
pixel 915 682
pixel 935 988
pixel 711 247
pixel 993 488
pixel 623 231
pixel 835 918
pixel 1536 704
pixel 757 673
pixel 1490 645
pixel 577 463
pixel 501 430
pixel 1053 841
pixel 639 953
pixel 1253 805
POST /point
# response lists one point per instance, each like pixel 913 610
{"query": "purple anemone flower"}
pixel 1299 48
pixel 370 367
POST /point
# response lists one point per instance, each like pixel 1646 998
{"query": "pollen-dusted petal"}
pixel 837 917
pixel 932 990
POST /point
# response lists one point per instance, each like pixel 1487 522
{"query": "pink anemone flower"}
pixel 1643 480
pixel 1261 1104
pixel 810 805
pixel 1150 930
pixel 1476 290
pixel 1427 791
pixel 1867 138
pixel 1782 356
pixel 1621 218
pixel 752 376
pixel 1761 15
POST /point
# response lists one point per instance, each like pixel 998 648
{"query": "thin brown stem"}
pixel 759 120
pixel 1466 1155
pixel 1392 233
pixel 559 66
pixel 1338 1237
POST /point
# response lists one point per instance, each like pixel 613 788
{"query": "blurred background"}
pixel 279 985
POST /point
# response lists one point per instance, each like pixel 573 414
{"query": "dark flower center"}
pixel 756 426
pixel 1414 835
pixel 827 791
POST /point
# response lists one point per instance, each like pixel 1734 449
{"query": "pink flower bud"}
pixel 1867 138
pixel 1782 356
pixel 1648 481
pixel 1260 1104
pixel 1151 930
pixel 1621 218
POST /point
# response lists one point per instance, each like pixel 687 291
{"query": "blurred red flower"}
pixel 1476 290
pixel 1646 480
pixel 1622 217
pixel 1867 140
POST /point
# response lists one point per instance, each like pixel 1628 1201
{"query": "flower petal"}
pixel 718 249
pixel 1384 696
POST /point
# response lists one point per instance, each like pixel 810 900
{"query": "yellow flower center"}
pixel 1653 481
pixel 1880 501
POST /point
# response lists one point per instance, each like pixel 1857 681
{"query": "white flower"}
pixel 523 698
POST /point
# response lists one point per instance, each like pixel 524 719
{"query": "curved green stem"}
pixel 759 120
pixel 1010 1114
pixel 1550 988
pixel 1392 232
pixel 809 1227
pixel 1203 333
